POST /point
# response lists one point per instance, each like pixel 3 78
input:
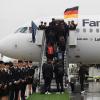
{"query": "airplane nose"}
pixel 5 45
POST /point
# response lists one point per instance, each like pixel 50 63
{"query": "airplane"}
pixel 83 43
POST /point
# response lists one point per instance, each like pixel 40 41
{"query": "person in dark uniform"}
pixel 47 70
pixel 11 81
pixel 41 26
pixel 50 38
pixel 4 81
pixel 73 25
pixel 30 77
pixel 17 81
pixel 52 24
pixel 62 46
pixel 51 27
pixel 32 71
pixel 22 78
pixel 7 79
pixel 82 73
pixel 45 25
pixel 1 67
pixel 66 32
pixel 59 73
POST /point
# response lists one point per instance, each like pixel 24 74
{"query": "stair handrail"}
pixel 43 51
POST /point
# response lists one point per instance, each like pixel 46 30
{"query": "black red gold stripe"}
pixel 71 12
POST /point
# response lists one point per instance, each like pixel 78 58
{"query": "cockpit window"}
pixel 18 30
pixel 22 30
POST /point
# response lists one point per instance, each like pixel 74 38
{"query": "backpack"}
pixel 50 50
pixel 60 57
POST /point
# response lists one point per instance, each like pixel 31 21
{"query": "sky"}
pixel 14 13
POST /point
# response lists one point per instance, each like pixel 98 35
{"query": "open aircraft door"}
pixel 39 37
pixel 72 38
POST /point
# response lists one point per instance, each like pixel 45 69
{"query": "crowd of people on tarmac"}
pixel 14 77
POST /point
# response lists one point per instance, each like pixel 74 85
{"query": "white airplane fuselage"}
pixel 86 50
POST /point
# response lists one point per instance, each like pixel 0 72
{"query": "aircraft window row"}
pixel 91 30
pixel 97 30
pixel 85 30
pixel 24 30
pixel 29 30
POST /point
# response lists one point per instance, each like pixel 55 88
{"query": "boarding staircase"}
pixel 42 42
pixel 44 59
pixel 71 42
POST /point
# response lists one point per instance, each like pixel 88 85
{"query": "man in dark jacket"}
pixel 59 73
pixel 82 73
pixel 47 70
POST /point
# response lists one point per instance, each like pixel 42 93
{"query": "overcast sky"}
pixel 13 13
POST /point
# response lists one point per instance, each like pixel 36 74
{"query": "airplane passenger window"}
pixel 91 30
pixel 84 29
pixel 97 30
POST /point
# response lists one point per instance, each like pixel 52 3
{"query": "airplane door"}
pixel 39 37
pixel 72 38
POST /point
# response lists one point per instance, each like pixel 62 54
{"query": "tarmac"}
pixel 92 92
